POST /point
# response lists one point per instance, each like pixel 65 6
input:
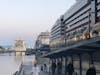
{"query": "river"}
pixel 10 64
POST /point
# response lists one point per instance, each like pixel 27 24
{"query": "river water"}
pixel 10 64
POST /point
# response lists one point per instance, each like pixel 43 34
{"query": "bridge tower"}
pixel 20 47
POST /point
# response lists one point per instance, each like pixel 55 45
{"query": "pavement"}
pixel 26 69
pixel 44 73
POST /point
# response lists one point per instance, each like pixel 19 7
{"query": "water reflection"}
pixel 9 64
pixel 19 59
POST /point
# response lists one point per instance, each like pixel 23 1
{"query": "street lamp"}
pixel 92 14
pixel 63 30
pixel 89 26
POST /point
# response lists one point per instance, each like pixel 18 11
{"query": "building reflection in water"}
pixel 19 59
pixel 20 47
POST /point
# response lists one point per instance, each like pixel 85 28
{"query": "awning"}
pixel 80 47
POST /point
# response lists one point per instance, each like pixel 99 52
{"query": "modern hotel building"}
pixel 76 24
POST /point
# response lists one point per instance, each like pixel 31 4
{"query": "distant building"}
pixel 20 46
pixel 43 40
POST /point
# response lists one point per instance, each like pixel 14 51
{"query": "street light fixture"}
pixel 89 26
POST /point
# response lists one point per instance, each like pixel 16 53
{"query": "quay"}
pixel 26 69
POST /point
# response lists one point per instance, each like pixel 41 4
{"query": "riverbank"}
pixel 26 69
pixel 10 64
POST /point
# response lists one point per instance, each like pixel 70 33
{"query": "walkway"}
pixel 44 73
pixel 26 69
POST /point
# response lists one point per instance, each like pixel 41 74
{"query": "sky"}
pixel 26 19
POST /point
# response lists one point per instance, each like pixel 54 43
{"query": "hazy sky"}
pixel 27 18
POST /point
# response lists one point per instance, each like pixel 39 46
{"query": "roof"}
pixel 88 45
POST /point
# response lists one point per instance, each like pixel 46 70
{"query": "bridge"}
pixel 11 51
pixel 15 52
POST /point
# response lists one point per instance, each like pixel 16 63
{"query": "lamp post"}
pixel 89 26
pixel 92 14
pixel 63 30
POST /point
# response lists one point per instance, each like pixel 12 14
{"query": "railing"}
pixel 71 43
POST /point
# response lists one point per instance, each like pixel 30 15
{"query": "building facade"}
pixel 76 24
pixel 57 39
pixel 42 40
pixel 80 22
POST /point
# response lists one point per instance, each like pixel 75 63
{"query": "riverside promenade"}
pixel 26 69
